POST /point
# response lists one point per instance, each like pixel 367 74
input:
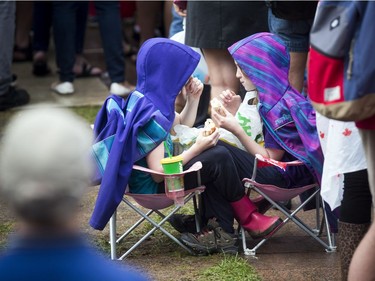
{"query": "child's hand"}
pixel 205 142
pixel 228 122
pixel 194 89
pixel 230 100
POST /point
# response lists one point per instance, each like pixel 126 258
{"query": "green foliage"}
pixel 5 229
pixel 87 112
pixel 231 268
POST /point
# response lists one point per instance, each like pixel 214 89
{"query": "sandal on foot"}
pixel 24 54
pixel 41 68
pixel 88 71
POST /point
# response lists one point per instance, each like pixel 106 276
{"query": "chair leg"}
pixel 292 216
pixel 331 243
pixel 112 235
pixel 156 226
pixel 197 212
pixel 149 213
pixel 317 210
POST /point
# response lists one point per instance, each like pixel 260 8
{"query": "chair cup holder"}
pixel 174 189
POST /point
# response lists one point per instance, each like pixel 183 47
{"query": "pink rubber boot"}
pixel 256 224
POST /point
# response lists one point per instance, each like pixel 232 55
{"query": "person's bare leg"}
pixel 147 14
pixel 297 70
pixel 363 261
pixel 362 265
pixel 24 18
pixel 222 71
pixel 167 16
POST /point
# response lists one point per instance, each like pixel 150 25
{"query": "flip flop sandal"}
pixel 40 68
pixel 87 71
pixel 24 54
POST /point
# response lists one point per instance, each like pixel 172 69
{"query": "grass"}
pixel 231 268
pixel 87 112
pixel 5 229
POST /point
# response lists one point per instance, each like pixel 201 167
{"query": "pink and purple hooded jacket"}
pixel 287 115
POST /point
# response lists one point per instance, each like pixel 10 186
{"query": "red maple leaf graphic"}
pixel 321 135
pixel 347 132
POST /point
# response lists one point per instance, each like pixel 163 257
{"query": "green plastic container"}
pixel 172 165
pixel 174 185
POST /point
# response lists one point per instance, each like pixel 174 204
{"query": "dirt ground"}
pixel 158 256
pixel 291 255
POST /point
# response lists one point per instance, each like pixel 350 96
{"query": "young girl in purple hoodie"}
pixel 289 129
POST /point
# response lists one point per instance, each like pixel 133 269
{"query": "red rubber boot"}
pixel 256 224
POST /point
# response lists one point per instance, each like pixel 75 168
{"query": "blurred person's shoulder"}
pixel 109 270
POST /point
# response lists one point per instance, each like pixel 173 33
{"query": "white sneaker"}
pixel 120 90
pixel 64 88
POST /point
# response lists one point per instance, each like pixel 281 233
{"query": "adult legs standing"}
pixel 42 22
pixel 24 19
pixel 108 13
pixel 222 71
pixel 64 32
pixel 362 265
pixel 295 33
pixel 9 96
pixel 110 25
pixel 355 216
pixel 7 27
pixel 147 15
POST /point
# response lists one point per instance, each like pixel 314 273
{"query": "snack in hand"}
pixel 209 127
pixel 217 106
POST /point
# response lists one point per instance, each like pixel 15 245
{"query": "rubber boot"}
pixel 262 204
pixel 349 236
pixel 256 224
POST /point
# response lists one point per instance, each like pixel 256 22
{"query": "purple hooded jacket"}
pixel 128 130
pixel 287 115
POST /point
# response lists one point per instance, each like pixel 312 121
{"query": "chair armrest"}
pixel 266 162
pixel 195 167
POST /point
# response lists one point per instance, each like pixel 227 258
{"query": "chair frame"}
pixel 145 216
pixel 262 189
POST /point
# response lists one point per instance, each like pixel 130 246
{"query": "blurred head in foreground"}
pixel 45 165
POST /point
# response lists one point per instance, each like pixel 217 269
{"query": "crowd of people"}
pixel 248 47
pixel 28 27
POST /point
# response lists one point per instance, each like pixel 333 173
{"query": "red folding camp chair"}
pixel 275 195
pixel 155 203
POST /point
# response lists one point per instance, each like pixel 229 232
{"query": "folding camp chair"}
pixel 276 194
pixel 154 203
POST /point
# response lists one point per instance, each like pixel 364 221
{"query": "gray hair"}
pixel 45 164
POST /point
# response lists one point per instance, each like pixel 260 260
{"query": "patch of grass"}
pixel 231 268
pixel 156 244
pixel 101 243
pixel 5 229
pixel 87 112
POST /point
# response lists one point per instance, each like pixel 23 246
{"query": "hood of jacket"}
pixel 287 115
pixel 263 57
pixel 163 68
